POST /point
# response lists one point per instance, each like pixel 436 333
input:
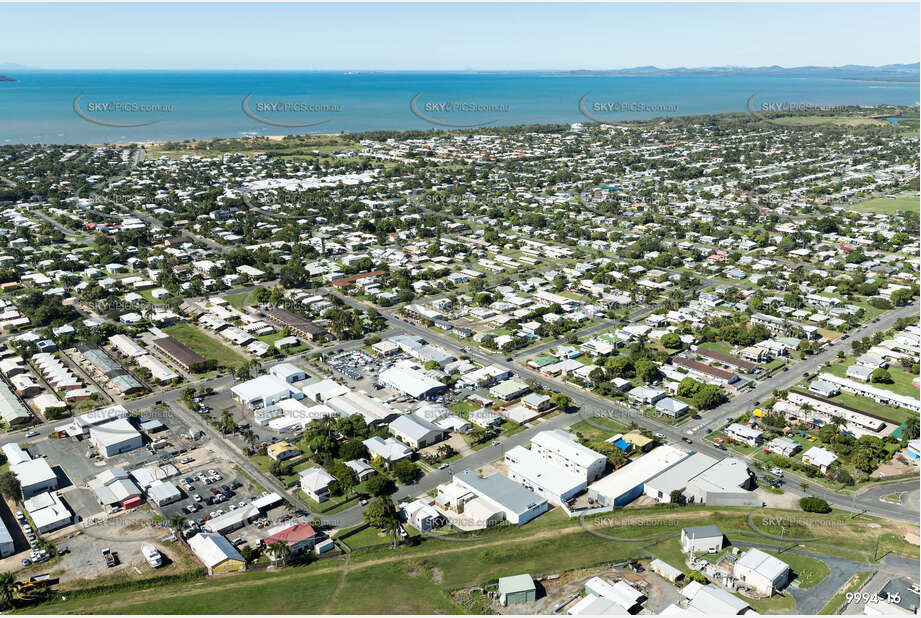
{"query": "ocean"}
pixel 126 106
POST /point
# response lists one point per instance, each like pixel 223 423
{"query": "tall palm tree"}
pixel 7 581
pixel 250 437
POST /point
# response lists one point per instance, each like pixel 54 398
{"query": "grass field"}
pixel 418 579
pixel 901 379
pixel 204 345
pixel 888 206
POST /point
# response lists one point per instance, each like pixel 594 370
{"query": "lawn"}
pixel 901 379
pixel 809 571
pixel 598 428
pixel 238 299
pixel 205 345
pixel 888 206
pixel 896 415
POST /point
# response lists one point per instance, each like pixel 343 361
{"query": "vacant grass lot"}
pixel 887 206
pixel 205 345
pixel 417 579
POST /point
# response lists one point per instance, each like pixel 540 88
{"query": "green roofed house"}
pixel 11 409
pixel 542 361
pixel 517 589
pixel 509 390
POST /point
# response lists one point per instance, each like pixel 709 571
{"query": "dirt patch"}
pixel 913 538
pixel 437 575
pixel 896 466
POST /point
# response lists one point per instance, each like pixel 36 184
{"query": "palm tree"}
pixel 394 529
pixel 279 552
pixel 176 522
pixel 250 437
pixel 7 581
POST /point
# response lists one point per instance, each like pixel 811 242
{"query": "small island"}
pixel 4 78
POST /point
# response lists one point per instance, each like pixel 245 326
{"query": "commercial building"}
pixel 561 448
pixel 374 411
pixel 35 476
pixel 543 477
pixel 162 493
pixel 415 431
pixel 263 391
pixel 761 572
pixel 216 553
pixel 115 437
pixel 729 482
pixel 621 593
pixel 406 379
pixel 47 512
pixel 660 487
pixel 701 540
pixel 232 520
pixel 519 505
pixel 113 487
pixel 626 484
pixel 322 390
pixel 7 546
pixel 288 372
pixel 711 600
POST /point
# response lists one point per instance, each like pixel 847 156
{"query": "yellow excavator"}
pixel 33 588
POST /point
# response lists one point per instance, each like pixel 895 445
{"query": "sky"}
pixel 455 36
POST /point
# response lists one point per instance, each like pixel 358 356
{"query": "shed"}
pixel 517 589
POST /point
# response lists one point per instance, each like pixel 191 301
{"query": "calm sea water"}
pixel 39 106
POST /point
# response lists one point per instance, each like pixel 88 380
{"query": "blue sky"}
pixel 455 36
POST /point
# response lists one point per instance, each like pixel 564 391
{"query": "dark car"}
pixel 214 492
pixel 688 440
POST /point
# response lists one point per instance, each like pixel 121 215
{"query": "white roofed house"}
pixel 389 449
pixel 421 515
pixel 761 572
pixel 820 458
pixel 315 482
pixel 744 433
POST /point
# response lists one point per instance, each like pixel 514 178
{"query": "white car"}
pixel 197 498
pixel 32 434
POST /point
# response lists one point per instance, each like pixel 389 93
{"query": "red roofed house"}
pixel 299 537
